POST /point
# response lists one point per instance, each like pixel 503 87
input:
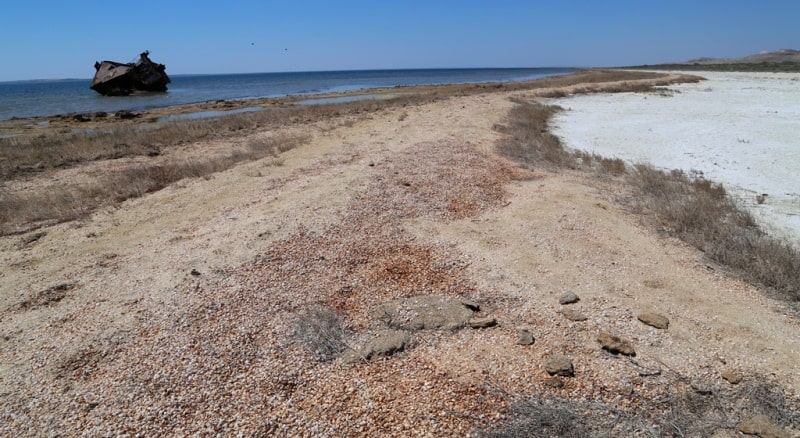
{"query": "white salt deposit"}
pixel 740 129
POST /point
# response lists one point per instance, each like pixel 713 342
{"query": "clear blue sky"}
pixel 49 39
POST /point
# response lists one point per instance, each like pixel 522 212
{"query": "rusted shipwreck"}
pixel 121 79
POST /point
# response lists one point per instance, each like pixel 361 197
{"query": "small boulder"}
pixel 762 426
pixel 654 320
pixel 525 337
pixel 559 365
pixel 615 344
pixel 569 298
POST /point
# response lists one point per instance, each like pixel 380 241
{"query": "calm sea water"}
pixel 47 98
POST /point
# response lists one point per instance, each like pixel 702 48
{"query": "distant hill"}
pixel 784 60
pixel 783 55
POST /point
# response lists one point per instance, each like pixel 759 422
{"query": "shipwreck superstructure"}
pixel 121 79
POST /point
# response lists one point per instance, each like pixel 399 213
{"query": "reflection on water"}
pixel 208 114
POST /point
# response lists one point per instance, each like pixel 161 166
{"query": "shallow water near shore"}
pixel 46 98
pixel 739 129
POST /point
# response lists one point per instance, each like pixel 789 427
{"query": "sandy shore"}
pixel 173 314
pixel 739 129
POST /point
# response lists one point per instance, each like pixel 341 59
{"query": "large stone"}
pixel 385 343
pixel 762 426
pixel 653 319
pixel 426 312
pixel 615 344
pixel 559 365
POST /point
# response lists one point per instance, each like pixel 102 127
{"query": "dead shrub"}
pixel 320 329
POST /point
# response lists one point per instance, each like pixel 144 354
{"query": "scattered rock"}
pixel 654 320
pixel 484 322
pixel 559 365
pixel 732 376
pixel 569 298
pixel 195 272
pixel 82 117
pixel 525 337
pixel 615 344
pixel 385 343
pixel 574 314
pixel 422 312
pixel 762 426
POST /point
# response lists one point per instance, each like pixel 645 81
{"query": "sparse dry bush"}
pixel 320 329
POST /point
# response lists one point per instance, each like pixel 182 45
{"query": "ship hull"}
pixel 121 79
